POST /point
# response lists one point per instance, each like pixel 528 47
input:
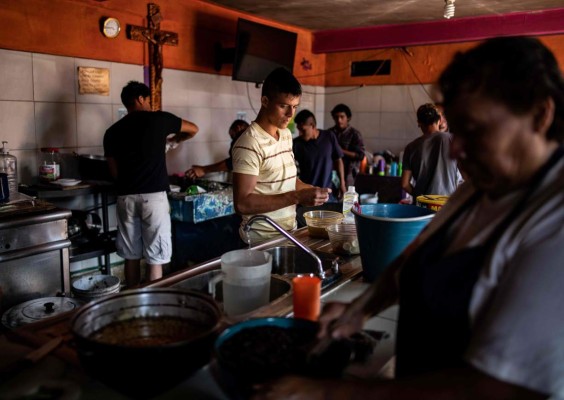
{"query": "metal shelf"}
pixel 100 247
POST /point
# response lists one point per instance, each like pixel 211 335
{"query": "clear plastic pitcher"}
pixel 246 280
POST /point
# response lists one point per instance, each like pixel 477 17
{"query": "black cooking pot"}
pixel 143 342
pixel 94 167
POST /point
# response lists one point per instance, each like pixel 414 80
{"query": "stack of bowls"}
pixel 343 239
pixel 317 221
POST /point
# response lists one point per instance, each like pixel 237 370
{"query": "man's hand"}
pixel 197 171
pixel 313 196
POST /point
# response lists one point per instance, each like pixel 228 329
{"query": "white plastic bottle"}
pixel 8 165
pixel 349 198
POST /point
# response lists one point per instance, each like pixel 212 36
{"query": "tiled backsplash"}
pixel 40 107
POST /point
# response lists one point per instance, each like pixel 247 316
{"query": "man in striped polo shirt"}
pixel 264 172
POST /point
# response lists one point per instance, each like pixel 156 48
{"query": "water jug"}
pixel 246 280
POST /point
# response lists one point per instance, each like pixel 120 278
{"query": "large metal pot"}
pixel 94 167
pixel 145 341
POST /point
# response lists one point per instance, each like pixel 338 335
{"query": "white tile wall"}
pixel 40 107
pixel 92 121
pixel 53 78
pixel 55 124
pixel 18 132
pixel 16 79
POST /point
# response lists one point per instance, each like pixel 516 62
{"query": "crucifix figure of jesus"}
pixel 156 40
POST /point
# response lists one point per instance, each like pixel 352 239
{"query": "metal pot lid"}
pixel 38 309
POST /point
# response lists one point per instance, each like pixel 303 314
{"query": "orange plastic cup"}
pixel 307 297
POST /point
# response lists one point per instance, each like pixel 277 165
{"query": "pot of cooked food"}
pixel 143 342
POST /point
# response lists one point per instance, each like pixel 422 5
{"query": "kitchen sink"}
pixel 278 286
pixel 290 261
pixel 287 262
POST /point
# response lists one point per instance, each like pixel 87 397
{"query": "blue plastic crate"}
pixel 201 207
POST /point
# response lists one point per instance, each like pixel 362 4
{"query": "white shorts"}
pixel 144 229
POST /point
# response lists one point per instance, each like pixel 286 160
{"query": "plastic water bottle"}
pixel 382 168
pixel 349 199
pixel 8 165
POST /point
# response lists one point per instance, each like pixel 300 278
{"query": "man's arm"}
pixel 406 181
pixel 112 165
pixel 301 185
pixel 197 171
pixel 187 131
pixel 340 167
pixel 356 148
pixel 247 202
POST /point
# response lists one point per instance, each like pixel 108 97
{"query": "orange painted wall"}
pixel 412 65
pixel 71 28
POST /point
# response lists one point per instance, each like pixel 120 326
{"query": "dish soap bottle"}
pixel 8 165
pixel 350 197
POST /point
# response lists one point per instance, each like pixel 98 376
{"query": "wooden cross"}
pixel 156 39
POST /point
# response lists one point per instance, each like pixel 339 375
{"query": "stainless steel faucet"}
pixel 253 219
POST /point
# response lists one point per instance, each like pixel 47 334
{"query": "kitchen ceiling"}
pixel 318 15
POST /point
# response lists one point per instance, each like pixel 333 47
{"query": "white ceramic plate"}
pixel 67 182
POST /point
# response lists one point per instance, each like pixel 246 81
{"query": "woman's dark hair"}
pixel 132 91
pixel 279 81
pixel 519 72
pixel 342 108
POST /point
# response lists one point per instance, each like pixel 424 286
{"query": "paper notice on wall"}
pixel 94 81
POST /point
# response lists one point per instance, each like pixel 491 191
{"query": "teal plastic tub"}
pixel 384 231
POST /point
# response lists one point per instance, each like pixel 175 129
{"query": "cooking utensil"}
pixel 31 358
pixel 38 310
pixel 94 167
pixel 157 336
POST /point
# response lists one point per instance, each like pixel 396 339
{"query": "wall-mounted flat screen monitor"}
pixel 259 49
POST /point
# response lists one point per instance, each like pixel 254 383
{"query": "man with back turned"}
pixel 135 149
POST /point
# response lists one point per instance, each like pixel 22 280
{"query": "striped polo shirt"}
pixel 272 162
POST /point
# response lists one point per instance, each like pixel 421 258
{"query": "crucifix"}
pixel 156 40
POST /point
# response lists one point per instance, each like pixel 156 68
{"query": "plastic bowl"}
pixel 343 239
pixel 317 221
pixel 259 350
